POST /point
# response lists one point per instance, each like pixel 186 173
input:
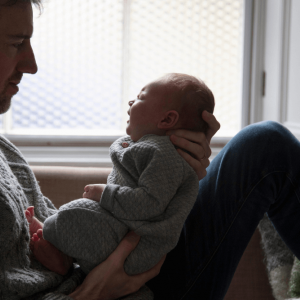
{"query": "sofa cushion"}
pixel 64 184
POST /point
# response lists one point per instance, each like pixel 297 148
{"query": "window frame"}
pixel 52 149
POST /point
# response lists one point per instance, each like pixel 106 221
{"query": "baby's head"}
pixel 171 102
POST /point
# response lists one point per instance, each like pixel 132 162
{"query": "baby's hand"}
pixel 93 191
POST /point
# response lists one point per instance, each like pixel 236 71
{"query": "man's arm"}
pixel 109 280
pixel 196 143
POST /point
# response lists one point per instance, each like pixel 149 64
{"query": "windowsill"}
pixel 79 140
pixel 61 140
pixel 67 156
pixel 78 151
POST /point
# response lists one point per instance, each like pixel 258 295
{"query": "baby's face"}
pixel 146 111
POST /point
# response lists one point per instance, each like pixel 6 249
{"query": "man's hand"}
pixel 109 280
pixel 196 143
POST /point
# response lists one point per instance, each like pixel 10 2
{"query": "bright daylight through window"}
pixel 96 55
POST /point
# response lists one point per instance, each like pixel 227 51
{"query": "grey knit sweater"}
pixel 19 277
pixel 150 190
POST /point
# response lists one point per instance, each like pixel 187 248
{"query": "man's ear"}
pixel 169 120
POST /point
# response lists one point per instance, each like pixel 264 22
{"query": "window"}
pixel 96 55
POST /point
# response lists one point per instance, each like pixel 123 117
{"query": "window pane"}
pixel 198 37
pixel 78 48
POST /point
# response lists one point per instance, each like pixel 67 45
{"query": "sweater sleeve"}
pixel 156 186
pixel 7 219
pixel 50 206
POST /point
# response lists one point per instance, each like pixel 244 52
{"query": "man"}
pixel 16 53
pixel 258 171
pixel 21 277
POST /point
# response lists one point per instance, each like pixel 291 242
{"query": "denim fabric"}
pixel 258 171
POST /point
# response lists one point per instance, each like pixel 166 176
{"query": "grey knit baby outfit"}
pixel 150 190
pixel 20 277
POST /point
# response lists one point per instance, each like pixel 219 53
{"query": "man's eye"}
pixel 17 45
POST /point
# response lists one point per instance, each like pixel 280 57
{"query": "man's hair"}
pixel 193 97
pixel 37 3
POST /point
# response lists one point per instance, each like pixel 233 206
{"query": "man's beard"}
pixel 5 102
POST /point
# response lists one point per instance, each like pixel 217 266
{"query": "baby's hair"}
pixel 194 97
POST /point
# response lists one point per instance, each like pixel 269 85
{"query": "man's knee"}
pixel 265 131
pixel 260 136
pixel 271 127
pixel 273 132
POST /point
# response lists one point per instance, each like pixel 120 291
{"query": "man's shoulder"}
pixel 10 153
pixel 5 141
pixel 7 146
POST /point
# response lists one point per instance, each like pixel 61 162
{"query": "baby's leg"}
pixel 43 251
pixel 85 231
pixel 93 191
pixel 49 256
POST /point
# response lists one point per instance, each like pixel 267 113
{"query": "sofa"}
pixel 63 184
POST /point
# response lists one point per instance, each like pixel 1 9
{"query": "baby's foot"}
pixel 93 191
pixel 34 223
pixel 49 256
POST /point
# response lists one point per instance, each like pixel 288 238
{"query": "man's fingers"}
pixel 196 137
pixel 128 243
pixel 198 151
pixel 141 279
pixel 213 124
pixel 199 167
pixel 198 148
pixel 205 162
pixel 137 281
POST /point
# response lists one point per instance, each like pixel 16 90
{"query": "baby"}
pixel 150 190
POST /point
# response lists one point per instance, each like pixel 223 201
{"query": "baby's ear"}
pixel 169 120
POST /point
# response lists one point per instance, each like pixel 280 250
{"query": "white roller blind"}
pixel 96 55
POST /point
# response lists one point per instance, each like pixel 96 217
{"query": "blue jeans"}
pixel 258 171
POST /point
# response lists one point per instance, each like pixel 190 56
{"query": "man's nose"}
pixel 27 63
